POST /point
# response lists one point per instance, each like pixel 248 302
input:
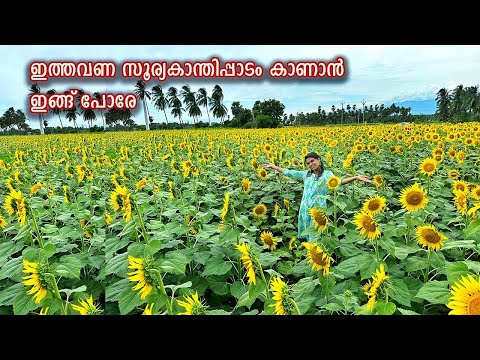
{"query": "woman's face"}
pixel 313 163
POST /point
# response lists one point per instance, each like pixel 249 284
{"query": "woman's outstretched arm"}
pixel 357 177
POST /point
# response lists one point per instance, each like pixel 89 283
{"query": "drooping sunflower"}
pixel 429 237
pixel 193 305
pixel 139 275
pixel 286 203
pixel 474 209
pixel 35 188
pixel 413 198
pixel 268 240
pixel 461 202
pixel 460 185
pixel 108 218
pixel 141 183
pixel 87 307
pixel 291 243
pixel 374 204
pixel 35 280
pixel 246 185
pixel 15 203
pixel 148 309
pixel 262 173
pixel 465 299
pixel 428 166
pixel 259 211
pixel 378 180
pixel 226 202
pixel 247 261
pixel 333 182
pixel 3 223
pixel 318 257
pixel 320 219
pixel 371 288
pixel 254 163
pixel 367 225
pixel 121 194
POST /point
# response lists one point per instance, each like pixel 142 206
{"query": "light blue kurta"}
pixel 314 194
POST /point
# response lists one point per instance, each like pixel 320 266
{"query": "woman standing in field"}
pixel 314 187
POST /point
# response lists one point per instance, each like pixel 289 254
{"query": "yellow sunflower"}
pixel 226 202
pixel 428 166
pixel 374 204
pixel 279 289
pixel 193 305
pixel 87 307
pixel 35 188
pixel 286 203
pixel 121 194
pixel 460 185
pixel 413 198
pixel 378 180
pixel 148 309
pixel 141 183
pixel 320 219
pixel 259 211
pixel 3 223
pixel 460 157
pixel 262 173
pixel 465 299
pixel 318 257
pixel 333 182
pixel 15 203
pixel 247 261
pixel 35 280
pixel 454 174
pixel 367 225
pixel 430 238
pixel 475 193
pixel 461 202
pixel 254 163
pixel 246 185
pixel 371 288
pixel 474 209
pixel 268 240
pixel 139 275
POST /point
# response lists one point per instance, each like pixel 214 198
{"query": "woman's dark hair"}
pixel 314 155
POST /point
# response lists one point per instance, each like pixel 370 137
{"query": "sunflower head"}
pixel 260 211
pixel 318 257
pixel 429 237
pixel 367 225
pixel 374 205
pixel 465 299
pixel 460 185
pixel 246 185
pixel 413 198
pixel 319 217
pixel 141 275
pixel 87 307
pixel 268 240
pixel 428 166
pixel 378 180
pixel 192 305
pixel 333 182
pixel 35 279
pixel 247 261
pixel 262 173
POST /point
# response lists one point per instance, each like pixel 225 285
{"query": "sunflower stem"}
pixel 409 225
pixel 37 230
pixel 240 270
pixel 51 277
pixel 425 278
pixel 263 278
pixel 376 249
pixel 162 289
pixel 295 306
pixel 335 207
pixel 140 219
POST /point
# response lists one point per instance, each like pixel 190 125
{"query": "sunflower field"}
pixel 189 222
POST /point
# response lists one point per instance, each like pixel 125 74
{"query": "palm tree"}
pixel 35 89
pixel 159 100
pixel 190 101
pixel 457 96
pixel 204 100
pixel 142 93
pixel 175 103
pixel 443 103
pixel 55 111
pixel 97 96
pixel 71 115
pixel 218 109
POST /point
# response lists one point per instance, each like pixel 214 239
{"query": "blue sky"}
pixel 407 75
